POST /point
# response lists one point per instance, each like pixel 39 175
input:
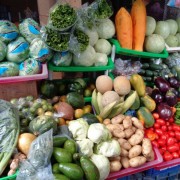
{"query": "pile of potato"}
pixel 135 148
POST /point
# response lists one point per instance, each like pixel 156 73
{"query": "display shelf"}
pixel 11 177
pixel 129 171
pixel 172 49
pixel 15 79
pixel 128 52
pixel 109 66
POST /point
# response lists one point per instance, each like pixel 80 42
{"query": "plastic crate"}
pixel 129 171
pixel 129 52
pixel 109 66
pixel 138 176
pixel 12 177
pixel 171 173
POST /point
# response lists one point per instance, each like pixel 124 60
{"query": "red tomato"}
pixel 170 141
pixel 161 151
pixel 170 128
pixel 177 134
pixel 151 129
pixel 175 155
pixel 164 137
pixel 171 134
pixel 164 128
pixel 154 143
pixel 167 123
pixel 173 148
pixel 159 132
pixel 161 142
pixel 155 115
pixel 164 148
pixel 176 127
pixel 157 126
pixel 167 156
pixel 160 121
pixel 171 120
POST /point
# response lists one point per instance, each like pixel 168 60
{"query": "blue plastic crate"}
pixel 170 173
pixel 137 176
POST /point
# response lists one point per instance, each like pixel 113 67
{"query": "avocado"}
pixel 60 177
pixel 55 168
pixel 70 146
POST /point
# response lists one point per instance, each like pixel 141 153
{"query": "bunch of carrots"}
pixel 131 27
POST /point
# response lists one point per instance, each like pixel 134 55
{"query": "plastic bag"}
pixel 38 166
pixel 174 3
pixel 8 69
pixel 8 31
pixel 3 50
pixel 62 16
pixel 40 51
pixel 57 41
pixel 126 67
pixel 29 67
pixel 30 29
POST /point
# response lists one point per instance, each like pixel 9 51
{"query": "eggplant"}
pixel 162 84
pixel 173 82
pixel 157 96
pixel 164 111
pixel 174 91
pixel 171 98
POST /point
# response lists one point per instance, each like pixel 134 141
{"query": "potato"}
pixel 137 123
pixel 127 123
pixel 125 162
pixel 113 127
pixel 124 152
pixel 115 166
pixel 110 127
pixel 119 134
pixel 135 151
pixel 124 144
pixel 146 147
pixel 137 161
pixel 150 156
pixel 136 138
pixel 106 121
pixel 134 129
pixel 117 119
pixel 14 164
pixel 128 132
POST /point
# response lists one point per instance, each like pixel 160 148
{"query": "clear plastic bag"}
pixel 3 50
pixel 61 16
pixel 38 166
pixel 174 3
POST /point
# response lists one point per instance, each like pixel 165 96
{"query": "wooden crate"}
pixel 17 90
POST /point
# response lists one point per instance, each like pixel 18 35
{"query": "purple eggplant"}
pixel 174 91
pixel 157 96
pixel 164 111
pixel 171 98
pixel 162 84
pixel 173 82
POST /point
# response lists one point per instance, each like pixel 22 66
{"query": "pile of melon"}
pixel 161 32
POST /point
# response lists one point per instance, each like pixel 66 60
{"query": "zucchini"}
pixel 149 73
pixel 155 66
pixel 145 65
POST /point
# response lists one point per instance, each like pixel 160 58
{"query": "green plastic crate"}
pixel 109 66
pixel 129 52
pixel 12 177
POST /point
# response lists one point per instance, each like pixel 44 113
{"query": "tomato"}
pixel 161 142
pixel 175 155
pixel 155 115
pixel 171 120
pixel 160 122
pixel 164 128
pixel 171 134
pixel 176 127
pixel 164 148
pixel 167 156
pixel 164 137
pixel 177 134
pixel 151 135
pixel 170 128
pixel 151 129
pixel 159 132
pixel 161 151
pixel 167 123
pixel 173 148
pixel 157 126
pixel 170 141
pixel 154 143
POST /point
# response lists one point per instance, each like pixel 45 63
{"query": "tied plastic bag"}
pixel 174 3
pixel 3 50
pixel 8 31
pixel 30 29
pixel 37 166
pixel 40 51
pixel 8 69
pixel 62 16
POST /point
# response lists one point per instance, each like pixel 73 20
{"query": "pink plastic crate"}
pixel 167 164
pixel 129 171
pixel 14 79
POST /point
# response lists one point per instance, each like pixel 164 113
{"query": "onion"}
pixel 24 142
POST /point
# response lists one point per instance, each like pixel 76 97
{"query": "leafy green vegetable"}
pixel 57 41
pixel 63 16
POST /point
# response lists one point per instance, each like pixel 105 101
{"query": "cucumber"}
pixel 142 72
pixel 145 65
pixel 155 66
pixel 149 73
pixel 145 78
pixel 156 73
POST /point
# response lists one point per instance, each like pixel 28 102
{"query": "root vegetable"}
pixel 124 144
pixel 124 153
pixel 134 129
pixel 113 127
pixel 106 121
pixel 136 138
pixel 119 134
pixel 11 172
pixel 146 147
pixel 14 164
pixel 128 132
pixel 137 161
pixel 150 157
pixel 125 162
pixel 118 119
pixel 110 127
pixel 127 123
pixel 137 123
pixel 135 151
pixel 115 166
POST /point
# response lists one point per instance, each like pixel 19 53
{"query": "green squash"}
pixel 90 118
pixel 41 124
